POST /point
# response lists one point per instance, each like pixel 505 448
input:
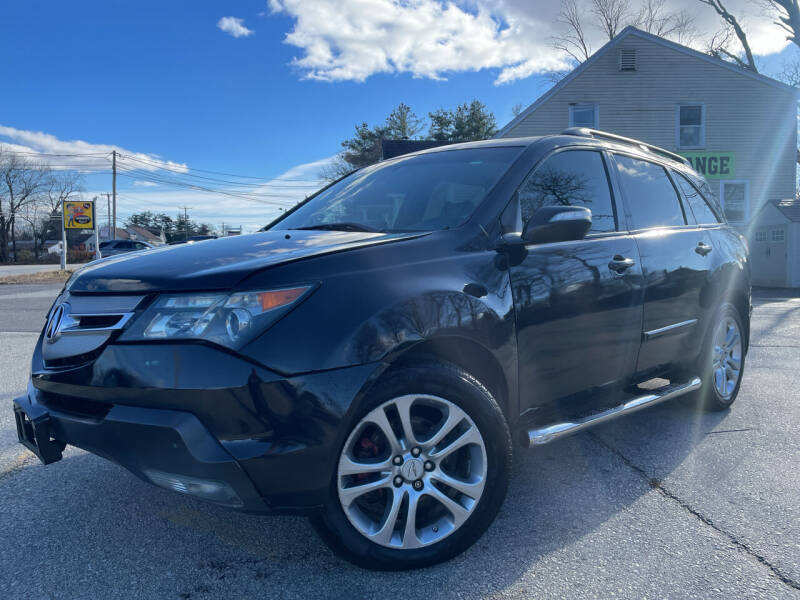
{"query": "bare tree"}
pixel 43 214
pixel 20 182
pixel 790 73
pixel 654 18
pixel 787 15
pixel 336 169
pixel 613 15
pixel 573 41
pixel 721 48
pixel 610 17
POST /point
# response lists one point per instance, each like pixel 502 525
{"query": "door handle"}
pixel 620 264
pixel 702 248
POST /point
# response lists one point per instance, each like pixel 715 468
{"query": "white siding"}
pixel 750 118
pixel 794 255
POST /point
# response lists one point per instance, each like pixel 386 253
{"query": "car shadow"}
pixel 120 531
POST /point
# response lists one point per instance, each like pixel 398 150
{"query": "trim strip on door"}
pixel 654 333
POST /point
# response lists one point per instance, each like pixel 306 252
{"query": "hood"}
pixel 216 264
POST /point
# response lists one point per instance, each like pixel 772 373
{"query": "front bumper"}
pixel 184 415
pixel 151 443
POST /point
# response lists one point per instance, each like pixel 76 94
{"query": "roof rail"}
pixel 596 133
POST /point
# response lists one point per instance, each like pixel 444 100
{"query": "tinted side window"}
pixel 571 178
pixel 702 211
pixel 651 197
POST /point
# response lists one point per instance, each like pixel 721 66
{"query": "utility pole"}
pixel 96 225
pixel 114 191
pixel 185 221
pixel 108 214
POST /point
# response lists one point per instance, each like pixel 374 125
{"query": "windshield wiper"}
pixel 341 227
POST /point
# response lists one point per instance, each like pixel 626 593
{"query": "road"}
pixel 668 503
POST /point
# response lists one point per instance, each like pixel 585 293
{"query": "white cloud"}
pixel 251 208
pixel 234 26
pixel 431 38
pixel 77 154
pixel 251 203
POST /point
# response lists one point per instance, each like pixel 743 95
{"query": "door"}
pixel 578 304
pixel 676 263
pixel 768 253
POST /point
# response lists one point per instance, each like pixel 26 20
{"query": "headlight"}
pixel 229 319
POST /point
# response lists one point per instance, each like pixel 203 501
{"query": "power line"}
pixel 160 165
pixel 315 184
pixel 220 172
pixel 186 185
pixel 34 153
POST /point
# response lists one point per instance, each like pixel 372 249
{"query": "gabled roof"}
pixel 142 234
pixel 790 209
pixel 626 33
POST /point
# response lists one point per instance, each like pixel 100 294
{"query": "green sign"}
pixel 713 165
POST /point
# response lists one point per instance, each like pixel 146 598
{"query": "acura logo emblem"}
pixel 412 469
pixel 53 328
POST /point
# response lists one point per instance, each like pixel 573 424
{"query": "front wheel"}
pixel 422 473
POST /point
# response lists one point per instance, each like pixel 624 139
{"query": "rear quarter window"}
pixel 652 199
pixel 703 213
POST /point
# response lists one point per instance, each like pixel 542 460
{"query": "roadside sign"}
pixel 78 215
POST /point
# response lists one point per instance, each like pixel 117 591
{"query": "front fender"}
pixel 365 315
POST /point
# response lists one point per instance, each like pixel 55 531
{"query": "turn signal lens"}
pixel 268 300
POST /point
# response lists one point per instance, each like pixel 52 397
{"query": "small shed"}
pixel 775 244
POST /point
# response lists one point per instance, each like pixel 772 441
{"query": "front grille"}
pixel 99 321
pixel 78 407
pixel 79 326
pixel 71 362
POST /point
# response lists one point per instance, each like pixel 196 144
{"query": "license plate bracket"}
pixel 35 431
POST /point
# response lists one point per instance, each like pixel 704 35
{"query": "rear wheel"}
pixel 723 359
pixel 422 473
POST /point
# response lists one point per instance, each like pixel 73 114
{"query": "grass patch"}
pixel 56 276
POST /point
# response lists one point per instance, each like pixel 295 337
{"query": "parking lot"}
pixel 668 503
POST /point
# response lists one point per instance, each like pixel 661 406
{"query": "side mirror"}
pixel 557 224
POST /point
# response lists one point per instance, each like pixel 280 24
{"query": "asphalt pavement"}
pixel 668 503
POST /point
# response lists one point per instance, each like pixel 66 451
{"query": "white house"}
pixel 738 128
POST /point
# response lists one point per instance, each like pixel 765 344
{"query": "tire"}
pixel 441 530
pixel 713 362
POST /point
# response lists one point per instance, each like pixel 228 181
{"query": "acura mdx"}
pixel 371 357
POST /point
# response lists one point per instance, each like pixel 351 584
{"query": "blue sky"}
pixel 164 80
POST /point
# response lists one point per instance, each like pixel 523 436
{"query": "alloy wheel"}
pixel 727 357
pixel 412 471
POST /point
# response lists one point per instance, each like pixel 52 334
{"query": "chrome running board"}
pixel 544 435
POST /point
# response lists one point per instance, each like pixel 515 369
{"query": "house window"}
pixel 627 59
pixel 735 200
pixel 778 235
pixel 584 115
pixel 690 125
pixel 761 236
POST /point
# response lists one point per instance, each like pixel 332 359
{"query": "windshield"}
pixel 417 193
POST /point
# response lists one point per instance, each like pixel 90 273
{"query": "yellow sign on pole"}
pixel 78 215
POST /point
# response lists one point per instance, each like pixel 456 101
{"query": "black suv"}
pixel 369 357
